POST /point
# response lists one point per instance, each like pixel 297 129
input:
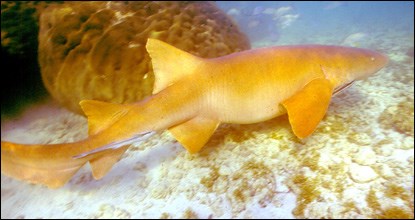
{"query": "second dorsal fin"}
pixel 102 114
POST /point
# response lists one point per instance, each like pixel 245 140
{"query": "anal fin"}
pixel 195 133
pixel 103 162
pixel 307 107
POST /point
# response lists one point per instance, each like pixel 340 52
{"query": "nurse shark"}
pixel 192 96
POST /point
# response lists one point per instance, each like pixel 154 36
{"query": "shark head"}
pixel 365 63
pixel 345 65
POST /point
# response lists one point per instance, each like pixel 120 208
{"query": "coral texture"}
pixel 96 50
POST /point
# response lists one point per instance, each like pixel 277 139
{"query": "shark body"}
pixel 192 96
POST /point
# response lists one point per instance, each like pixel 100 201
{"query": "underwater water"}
pixel 359 163
pixel 333 22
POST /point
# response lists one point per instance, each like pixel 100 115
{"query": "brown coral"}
pixel 96 50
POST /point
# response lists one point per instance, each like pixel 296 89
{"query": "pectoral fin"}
pixel 306 108
pixel 194 133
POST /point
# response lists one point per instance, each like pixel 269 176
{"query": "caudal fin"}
pixel 27 163
pixel 24 163
pixel 54 165
pixel 39 165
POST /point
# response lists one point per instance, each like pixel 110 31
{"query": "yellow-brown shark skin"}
pixel 192 96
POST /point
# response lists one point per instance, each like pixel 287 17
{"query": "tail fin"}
pixel 42 164
pixel 169 63
pixel 29 163
pixel 53 165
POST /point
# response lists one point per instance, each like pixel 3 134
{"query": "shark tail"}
pixel 53 165
pixel 40 164
pixel 31 163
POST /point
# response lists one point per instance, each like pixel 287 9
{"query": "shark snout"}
pixel 380 60
pixel 369 63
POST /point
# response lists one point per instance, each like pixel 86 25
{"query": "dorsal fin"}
pixel 170 64
pixel 101 114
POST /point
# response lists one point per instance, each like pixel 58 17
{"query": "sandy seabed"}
pixel 359 163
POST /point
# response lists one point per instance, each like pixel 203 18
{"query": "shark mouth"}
pixel 341 88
